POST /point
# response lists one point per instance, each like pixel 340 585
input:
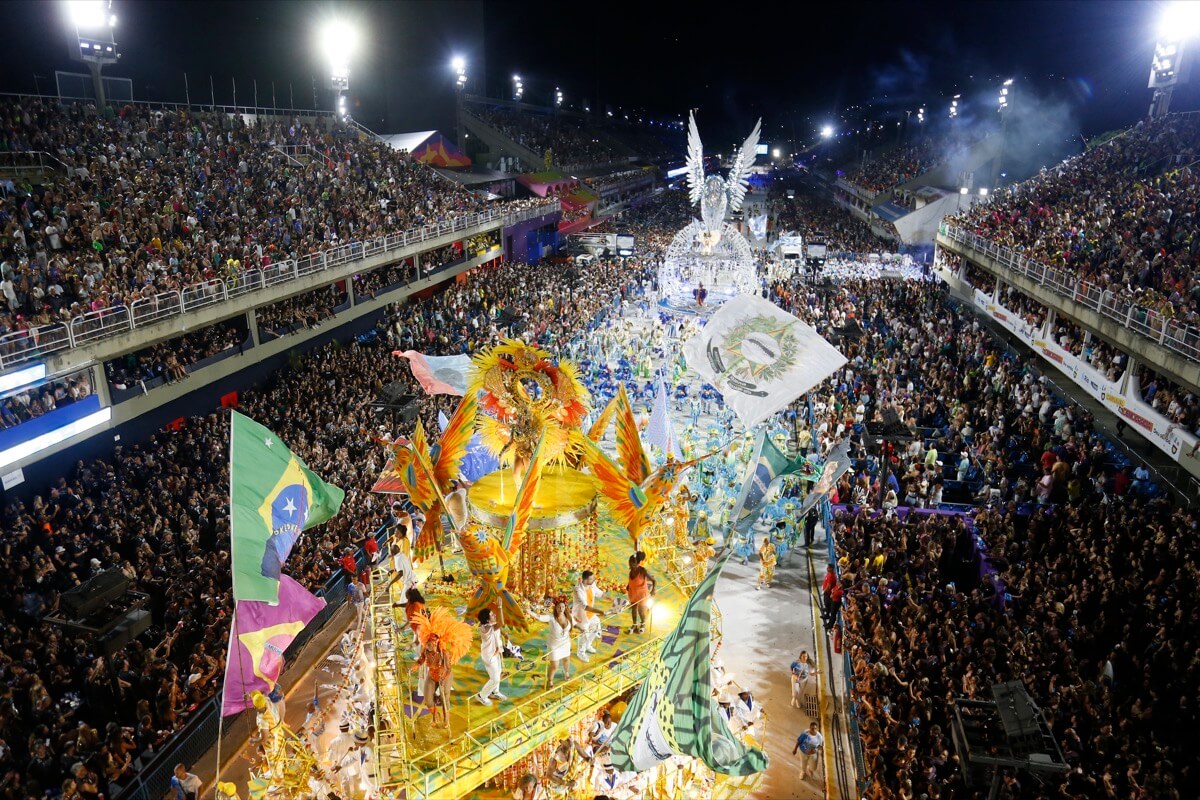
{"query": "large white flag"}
pixel 659 431
pixel 760 357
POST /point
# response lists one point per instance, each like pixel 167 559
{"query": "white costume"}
pixel 558 638
pixel 588 623
pixel 490 651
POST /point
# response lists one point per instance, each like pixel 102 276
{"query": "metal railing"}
pixel 1177 337
pixel 32 161
pixel 19 347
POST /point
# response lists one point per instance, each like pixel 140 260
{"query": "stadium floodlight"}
pixel 983 191
pixel 558 96
pixel 90 15
pixel 826 131
pixel 339 41
pixel 459 65
pixel 1179 21
pixel 95 42
pixel 776 153
pixel 954 105
pixel 1169 67
pixel 518 87
pixel 963 190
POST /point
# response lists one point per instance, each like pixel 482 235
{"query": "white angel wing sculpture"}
pixel 695 160
pixel 739 173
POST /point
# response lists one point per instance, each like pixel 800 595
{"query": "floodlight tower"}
pixel 339 40
pixel 518 88
pixel 1004 108
pixel 1170 66
pixel 459 65
pixel 95 42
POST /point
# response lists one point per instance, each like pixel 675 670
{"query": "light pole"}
pixel 1170 66
pixel 518 88
pixel 339 40
pixel 954 106
pixel 459 65
pixel 1004 107
pixel 96 44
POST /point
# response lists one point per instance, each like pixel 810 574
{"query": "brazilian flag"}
pixel 272 498
pixel 673 712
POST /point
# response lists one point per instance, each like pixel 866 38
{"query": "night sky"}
pixel 795 65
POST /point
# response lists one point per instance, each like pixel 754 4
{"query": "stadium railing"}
pixel 199 735
pixel 1179 338
pixel 19 347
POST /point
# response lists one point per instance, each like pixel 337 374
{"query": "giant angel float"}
pixel 710 261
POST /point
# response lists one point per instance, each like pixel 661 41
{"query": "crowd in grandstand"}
pixel 818 220
pixel 1120 216
pixel 170 360
pixel 1068 594
pixel 570 141
pixel 28 404
pixel 896 166
pixel 155 200
pixel 1073 597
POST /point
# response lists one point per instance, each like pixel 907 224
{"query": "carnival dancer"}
pixel 444 641
pixel 600 735
pixel 563 770
pixel 585 612
pixel 766 566
pixel 638 591
pixel 491 652
pixel 558 639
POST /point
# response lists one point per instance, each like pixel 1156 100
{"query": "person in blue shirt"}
pixel 809 744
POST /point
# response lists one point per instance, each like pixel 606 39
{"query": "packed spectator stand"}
pixel 1120 217
pixel 817 220
pixel 945 605
pixel 570 141
pixel 899 165
pixel 152 200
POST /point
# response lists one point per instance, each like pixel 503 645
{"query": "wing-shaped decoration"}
pixel 518 521
pixel 600 426
pixel 740 171
pixel 411 463
pixel 453 446
pixel 625 498
pixel 695 160
pixel 630 452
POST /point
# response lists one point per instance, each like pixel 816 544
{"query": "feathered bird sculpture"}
pixel 634 493
pixel 717 196
pixel 428 474
pixel 489 555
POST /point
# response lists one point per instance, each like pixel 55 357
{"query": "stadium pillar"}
pixel 1127 377
pixel 100 384
pixel 1048 327
pixel 252 324
pixel 97 83
pixel 350 292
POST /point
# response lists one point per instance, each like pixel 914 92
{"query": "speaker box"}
pixel 95 593
pixel 134 624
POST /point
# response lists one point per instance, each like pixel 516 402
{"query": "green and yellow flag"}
pixel 673 712
pixel 273 496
